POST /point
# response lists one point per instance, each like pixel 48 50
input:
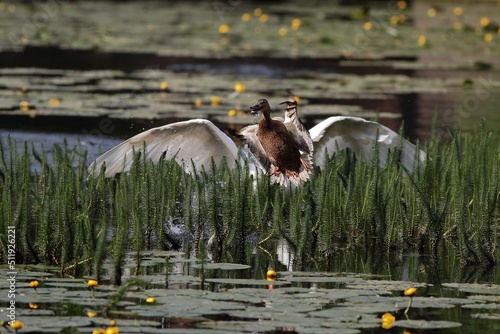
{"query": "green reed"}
pixel 64 217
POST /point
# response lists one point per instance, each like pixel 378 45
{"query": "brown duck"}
pixel 276 146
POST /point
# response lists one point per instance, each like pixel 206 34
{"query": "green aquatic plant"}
pixel 65 218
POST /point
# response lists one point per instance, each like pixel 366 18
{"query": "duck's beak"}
pixel 289 104
pixel 254 110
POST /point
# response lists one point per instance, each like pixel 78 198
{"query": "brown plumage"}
pixel 280 148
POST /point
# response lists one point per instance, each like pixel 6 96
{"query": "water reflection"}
pixel 413 267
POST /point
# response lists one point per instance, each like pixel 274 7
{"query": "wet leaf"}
pixel 422 324
pixel 221 266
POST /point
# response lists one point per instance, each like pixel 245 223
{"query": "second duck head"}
pixel 291 107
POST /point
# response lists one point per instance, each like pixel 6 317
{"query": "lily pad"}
pixel 221 266
pixel 234 281
pixel 488 316
pixel 423 324
pixel 485 306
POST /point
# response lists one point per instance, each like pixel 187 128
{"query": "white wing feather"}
pixel 191 142
pixel 337 133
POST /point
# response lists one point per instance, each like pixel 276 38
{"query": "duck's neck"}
pixel 265 118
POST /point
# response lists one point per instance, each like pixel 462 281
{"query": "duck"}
pixel 295 125
pixel 195 143
pixel 286 157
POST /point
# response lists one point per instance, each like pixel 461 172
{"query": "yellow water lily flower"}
pixel 215 100
pixel 92 283
pixel 239 88
pixel 163 85
pixel 387 325
pixel 271 274
pixel 54 102
pixel 24 105
pixel 296 23
pixel 34 284
pixel 484 21
pixel 151 300
pixel 410 292
pixel 112 329
pixel 16 325
pixel 422 40
pixel 223 28
pixel 387 320
pixel 388 317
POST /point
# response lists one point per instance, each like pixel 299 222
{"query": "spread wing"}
pixel 194 142
pixel 249 135
pixel 337 133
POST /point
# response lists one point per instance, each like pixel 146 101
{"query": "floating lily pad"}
pixel 322 279
pixel 474 288
pixel 325 330
pixel 34 312
pixel 221 266
pixel 485 306
pixel 384 285
pixel 488 316
pixel 423 324
pixel 55 323
pixel 234 281
pixel 239 326
pixel 157 253
pixel 485 298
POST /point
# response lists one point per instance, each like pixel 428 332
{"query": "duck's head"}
pixel 290 109
pixel 290 104
pixel 260 106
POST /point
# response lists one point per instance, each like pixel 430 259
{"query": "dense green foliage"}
pixel 64 217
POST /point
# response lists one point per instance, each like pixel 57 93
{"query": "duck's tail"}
pixel 287 178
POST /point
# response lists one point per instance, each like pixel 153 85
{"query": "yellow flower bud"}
pixel 410 292
pixel 239 88
pixel 215 100
pixel 16 324
pixel 223 28
pixel 271 274
pixel 92 283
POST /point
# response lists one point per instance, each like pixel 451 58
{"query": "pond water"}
pixel 89 85
pixel 349 296
pixel 194 296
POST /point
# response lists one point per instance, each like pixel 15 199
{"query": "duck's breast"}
pixel 279 146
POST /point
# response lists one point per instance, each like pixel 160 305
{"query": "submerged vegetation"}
pixel 65 218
